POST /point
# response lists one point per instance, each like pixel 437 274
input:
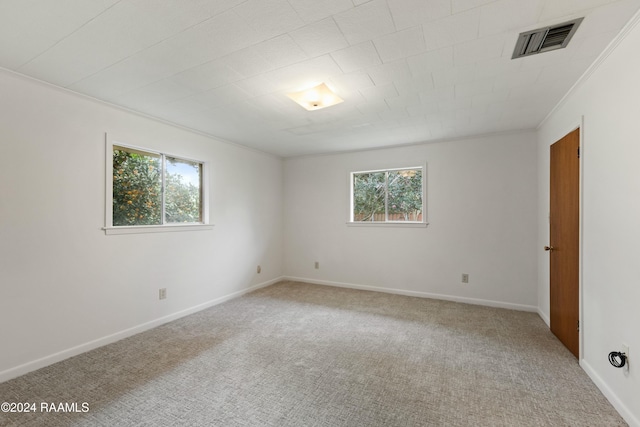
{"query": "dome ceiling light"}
pixel 315 98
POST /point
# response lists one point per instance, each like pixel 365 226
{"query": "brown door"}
pixel 564 240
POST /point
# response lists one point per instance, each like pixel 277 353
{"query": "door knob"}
pixel 548 248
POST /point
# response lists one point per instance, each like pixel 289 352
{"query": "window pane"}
pixel 183 191
pixel 368 196
pixel 405 195
pixel 137 197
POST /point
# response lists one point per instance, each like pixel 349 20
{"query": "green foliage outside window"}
pixel 182 199
pixel 137 189
pixel 394 195
pixel 369 195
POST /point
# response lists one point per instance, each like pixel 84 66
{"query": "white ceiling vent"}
pixel 545 39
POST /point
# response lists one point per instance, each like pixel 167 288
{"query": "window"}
pixel 388 196
pixel 151 191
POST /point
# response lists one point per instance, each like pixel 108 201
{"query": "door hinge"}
pixel 578 326
pixel 578 152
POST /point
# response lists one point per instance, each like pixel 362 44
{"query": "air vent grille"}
pixel 545 39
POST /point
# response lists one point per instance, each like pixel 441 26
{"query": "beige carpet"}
pixel 296 354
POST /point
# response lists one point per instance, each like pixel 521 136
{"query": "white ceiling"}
pixel 408 70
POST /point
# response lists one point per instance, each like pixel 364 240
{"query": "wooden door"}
pixel 565 240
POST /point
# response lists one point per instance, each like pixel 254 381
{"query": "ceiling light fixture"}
pixel 315 98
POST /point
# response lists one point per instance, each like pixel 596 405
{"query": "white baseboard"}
pixel 82 348
pixel 544 317
pixel 474 301
pixel 622 409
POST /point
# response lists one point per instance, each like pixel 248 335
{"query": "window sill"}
pixel 388 224
pixel 142 229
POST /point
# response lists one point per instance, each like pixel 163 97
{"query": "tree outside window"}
pixel 393 195
pixel 154 189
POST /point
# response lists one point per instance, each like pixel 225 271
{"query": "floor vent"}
pixel 545 39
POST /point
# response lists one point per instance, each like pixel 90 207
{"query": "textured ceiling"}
pixel 408 70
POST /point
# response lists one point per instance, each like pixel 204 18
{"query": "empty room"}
pixel 319 213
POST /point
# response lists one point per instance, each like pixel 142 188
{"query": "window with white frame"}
pixel 150 189
pixel 388 196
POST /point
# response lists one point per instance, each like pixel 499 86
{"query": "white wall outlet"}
pixel 624 348
pixel 162 293
pixel 465 278
pixel 317 265
pixel 259 270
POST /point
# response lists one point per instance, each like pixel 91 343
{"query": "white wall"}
pixel 482 204
pixel 609 101
pixel 63 283
pixel 65 286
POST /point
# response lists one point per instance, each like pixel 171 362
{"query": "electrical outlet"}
pixel 465 278
pixel 259 269
pixel 317 265
pixel 162 293
pixel 625 349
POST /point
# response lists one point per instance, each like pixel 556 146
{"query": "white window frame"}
pixel 109 228
pixel 406 224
